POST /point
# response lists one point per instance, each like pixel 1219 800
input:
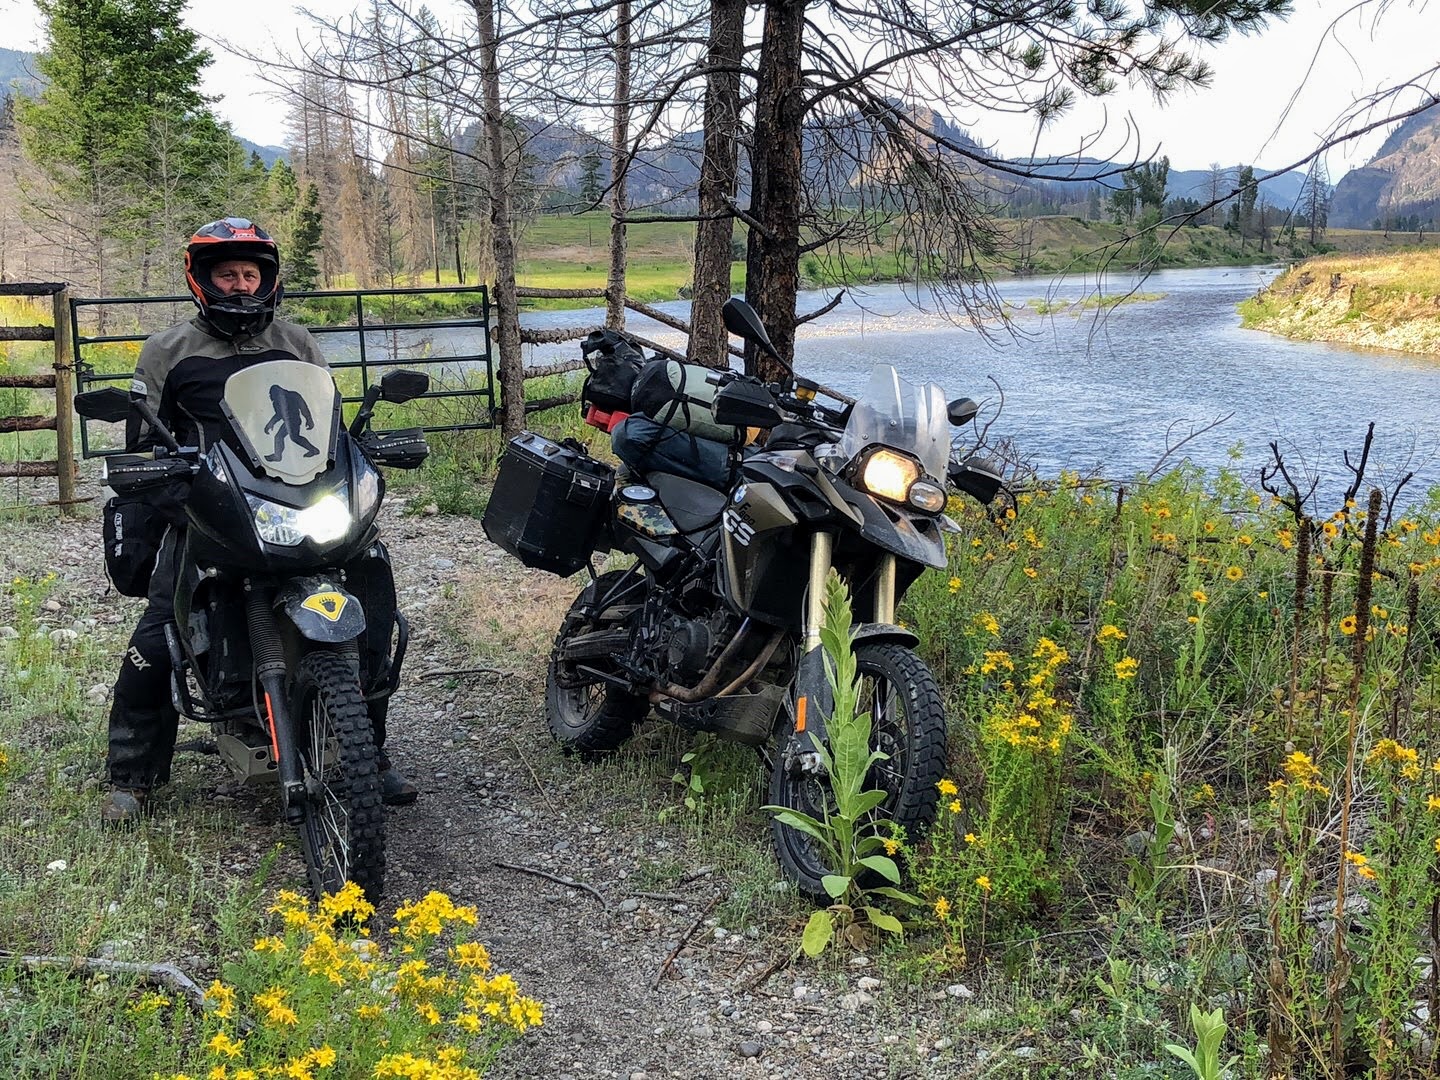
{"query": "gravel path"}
pixel 554 854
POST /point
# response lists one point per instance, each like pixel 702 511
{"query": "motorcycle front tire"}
pixel 908 724
pixel 342 832
pixel 592 718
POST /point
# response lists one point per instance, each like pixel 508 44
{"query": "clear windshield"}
pixel 284 414
pixel 900 415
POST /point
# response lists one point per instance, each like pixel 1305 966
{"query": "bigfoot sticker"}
pixel 284 414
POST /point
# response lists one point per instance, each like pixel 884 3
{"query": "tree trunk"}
pixel 502 241
pixel 718 169
pixel 619 157
pixel 773 255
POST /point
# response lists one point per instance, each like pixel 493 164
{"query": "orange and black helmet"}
pixel 237 315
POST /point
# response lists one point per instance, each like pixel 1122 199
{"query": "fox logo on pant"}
pixel 135 658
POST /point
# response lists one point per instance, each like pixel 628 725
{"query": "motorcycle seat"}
pixel 690 504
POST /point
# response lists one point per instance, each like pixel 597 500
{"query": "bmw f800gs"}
pixel 716 625
pixel 267 639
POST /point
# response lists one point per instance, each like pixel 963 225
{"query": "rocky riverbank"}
pixel 1378 302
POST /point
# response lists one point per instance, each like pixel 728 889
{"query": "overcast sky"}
pixel 1238 119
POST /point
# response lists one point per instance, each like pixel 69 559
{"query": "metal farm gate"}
pixel 371 355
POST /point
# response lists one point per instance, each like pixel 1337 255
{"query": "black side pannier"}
pixel 150 495
pixel 613 363
pixel 549 504
pixel 132 530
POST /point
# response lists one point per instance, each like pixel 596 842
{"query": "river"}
pixel 1107 393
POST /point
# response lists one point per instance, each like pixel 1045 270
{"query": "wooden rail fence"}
pixel 61 380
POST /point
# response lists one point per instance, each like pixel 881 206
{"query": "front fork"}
pixel 814 697
pixel 269 657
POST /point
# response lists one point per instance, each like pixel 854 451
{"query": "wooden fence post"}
pixel 64 402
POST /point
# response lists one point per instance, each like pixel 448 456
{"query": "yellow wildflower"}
pixel 983 882
pixel 955 806
pixel 1433 803
pixel 223 999
pixel 269 944
pixel 942 909
pixel 954 584
pixel 1031 572
pixel 471 954
pixel 1199 596
pixel 1110 632
pixel 891 845
pixel 1347 624
pixel 970 838
pixel 1126 668
pixel 1234 573
pixel 348 902
pixel 1330 530
pixel 221 1045
pixel 947 787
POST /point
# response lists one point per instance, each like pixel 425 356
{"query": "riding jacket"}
pixel 182 373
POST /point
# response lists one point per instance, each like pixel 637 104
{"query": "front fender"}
pixel 879 631
pixel 321 610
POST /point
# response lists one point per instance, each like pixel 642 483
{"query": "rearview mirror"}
pixel 741 320
pixel 110 404
pixel 400 386
pixel 961 411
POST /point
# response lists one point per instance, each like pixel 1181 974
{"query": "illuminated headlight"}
pixel 326 521
pixel 890 475
pixel 927 496
pixel 367 489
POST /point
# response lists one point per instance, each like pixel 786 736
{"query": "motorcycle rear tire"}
pixel 595 718
pixel 342 833
pixel 914 740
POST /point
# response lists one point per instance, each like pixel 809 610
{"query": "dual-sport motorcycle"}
pixel 716 625
pixel 267 641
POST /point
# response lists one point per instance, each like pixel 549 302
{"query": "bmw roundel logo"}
pixel 740 493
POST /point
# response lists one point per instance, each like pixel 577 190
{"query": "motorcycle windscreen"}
pixel 896 413
pixel 285 415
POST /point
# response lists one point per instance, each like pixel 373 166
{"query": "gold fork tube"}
pixel 885 589
pixel 822 546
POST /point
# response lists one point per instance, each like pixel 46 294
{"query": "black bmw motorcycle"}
pixel 268 640
pixel 716 625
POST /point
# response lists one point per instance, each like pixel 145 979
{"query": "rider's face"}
pixel 236 276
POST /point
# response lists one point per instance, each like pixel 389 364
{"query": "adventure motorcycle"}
pixel 268 643
pixel 717 623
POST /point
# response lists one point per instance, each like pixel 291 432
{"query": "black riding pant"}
pixel 143 720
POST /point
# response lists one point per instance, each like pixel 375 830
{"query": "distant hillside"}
pixel 17 72
pixel 1401 180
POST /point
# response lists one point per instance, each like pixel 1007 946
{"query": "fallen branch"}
pixel 524 760
pixel 567 882
pixel 778 965
pixel 684 940
pixel 163 974
pixel 467 671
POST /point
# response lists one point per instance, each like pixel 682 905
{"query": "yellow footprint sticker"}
pixel 326 604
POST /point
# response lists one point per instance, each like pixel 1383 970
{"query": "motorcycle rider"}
pixel 232 269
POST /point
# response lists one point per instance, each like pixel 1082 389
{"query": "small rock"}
pixel 97 693
pixel 443 564
pixel 859 961
pixel 628 905
pixel 8 633
pixel 800 993
pixel 1025 1052
pixel 750 1049
pixel 764 1026
pixel 943 1044
pixel 959 990
pixel 855 1001
pixel 868 983
pixel 63 637
pixel 430 510
pixel 51 605
pixel 59 866
pixel 702 1031
pixel 1138 843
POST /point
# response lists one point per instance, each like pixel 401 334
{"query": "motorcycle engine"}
pixel 685 644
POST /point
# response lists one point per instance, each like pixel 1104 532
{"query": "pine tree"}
pixel 301 271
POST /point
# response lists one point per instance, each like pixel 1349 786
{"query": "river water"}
pixel 1107 393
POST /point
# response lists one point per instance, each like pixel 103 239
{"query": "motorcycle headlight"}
pixel 286 526
pixel 367 488
pixel 926 496
pixel 890 474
